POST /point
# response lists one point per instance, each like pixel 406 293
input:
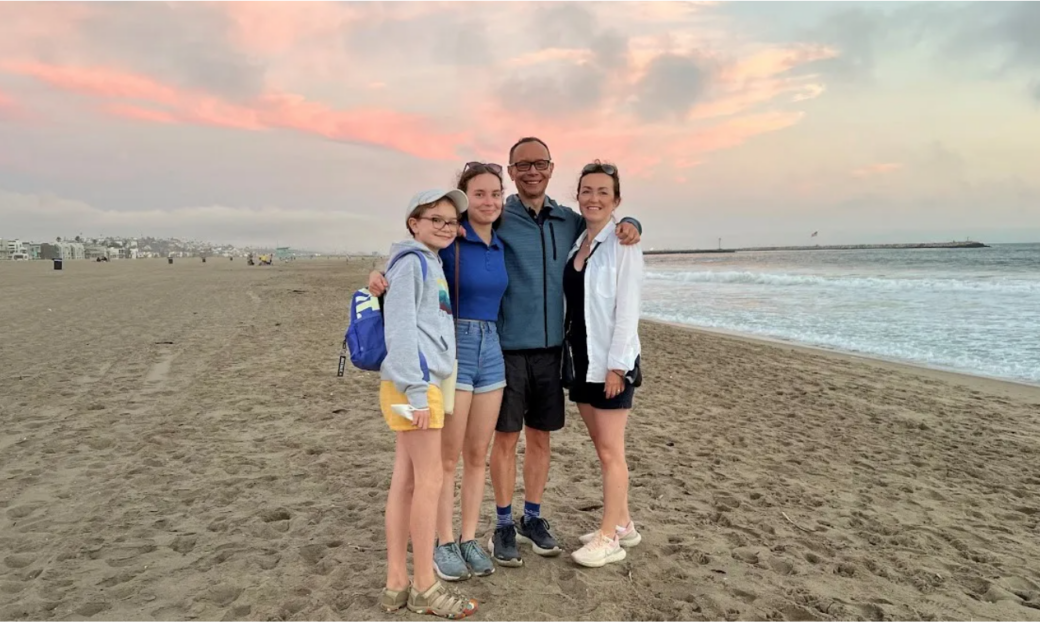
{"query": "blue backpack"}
pixel 365 337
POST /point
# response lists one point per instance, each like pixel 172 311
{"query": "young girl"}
pixel 602 283
pixel 476 299
pixel 420 342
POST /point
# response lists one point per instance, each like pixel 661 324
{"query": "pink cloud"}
pixel 6 101
pixel 95 81
pixel 270 28
pixel 876 169
pixel 726 135
pixel 408 133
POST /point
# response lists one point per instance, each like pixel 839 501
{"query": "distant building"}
pixel 93 252
pixel 14 249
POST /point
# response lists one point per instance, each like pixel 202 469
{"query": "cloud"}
pixel 731 133
pixel 576 88
pixel 993 39
pixel 42 217
pixel 671 85
pixel 408 133
pixel 856 34
pixel 186 44
pixel 7 102
pixel 574 68
pixel 435 33
pixel 1005 32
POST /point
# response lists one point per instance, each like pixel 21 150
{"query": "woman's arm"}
pixel 401 326
pixel 626 308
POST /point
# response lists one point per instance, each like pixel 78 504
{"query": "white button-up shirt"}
pixel 613 295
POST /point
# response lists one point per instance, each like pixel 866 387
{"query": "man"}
pixel 537 234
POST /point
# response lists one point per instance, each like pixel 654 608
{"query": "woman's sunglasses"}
pixel 610 170
pixel 492 167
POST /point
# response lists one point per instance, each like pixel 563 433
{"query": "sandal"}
pixel 440 601
pixel 394 599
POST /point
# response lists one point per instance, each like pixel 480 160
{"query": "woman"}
pixel 476 272
pixel 602 285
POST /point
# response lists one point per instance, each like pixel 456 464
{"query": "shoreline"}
pixel 1007 387
pixel 867 246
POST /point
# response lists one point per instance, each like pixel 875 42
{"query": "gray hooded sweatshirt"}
pixel 418 325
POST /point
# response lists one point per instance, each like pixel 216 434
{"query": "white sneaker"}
pixel 627 536
pixel 599 552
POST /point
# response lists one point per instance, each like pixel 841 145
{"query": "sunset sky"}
pixel 311 124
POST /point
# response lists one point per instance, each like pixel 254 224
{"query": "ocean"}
pixel 974 311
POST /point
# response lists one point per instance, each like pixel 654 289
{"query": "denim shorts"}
pixel 481 367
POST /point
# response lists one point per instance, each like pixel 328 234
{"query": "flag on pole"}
pixel 814 234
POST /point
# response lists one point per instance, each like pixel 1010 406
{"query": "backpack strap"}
pixel 458 304
pixel 422 260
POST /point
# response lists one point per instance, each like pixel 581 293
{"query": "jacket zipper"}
pixel 545 287
pixel 552 233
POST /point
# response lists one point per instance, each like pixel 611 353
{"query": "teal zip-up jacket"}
pixel 531 316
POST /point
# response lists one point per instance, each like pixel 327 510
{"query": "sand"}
pixel 176 445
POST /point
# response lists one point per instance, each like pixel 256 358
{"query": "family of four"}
pixel 516 299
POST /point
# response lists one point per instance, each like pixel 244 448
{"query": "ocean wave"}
pixel 935 284
pixel 1018 364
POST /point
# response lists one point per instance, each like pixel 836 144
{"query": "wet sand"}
pixel 176 445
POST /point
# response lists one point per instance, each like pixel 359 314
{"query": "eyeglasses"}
pixel 440 224
pixel 610 170
pixel 525 165
pixel 492 167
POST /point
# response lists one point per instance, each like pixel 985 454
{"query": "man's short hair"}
pixel 512 150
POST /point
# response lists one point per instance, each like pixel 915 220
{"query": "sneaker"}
pixel 536 533
pixel 502 546
pixel 449 564
pixel 627 537
pixel 599 552
pixel 440 601
pixel 394 599
pixel 476 558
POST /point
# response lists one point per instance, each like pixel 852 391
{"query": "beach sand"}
pixel 176 445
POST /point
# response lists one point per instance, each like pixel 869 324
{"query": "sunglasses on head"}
pixel 610 170
pixel 492 167
pixel 525 165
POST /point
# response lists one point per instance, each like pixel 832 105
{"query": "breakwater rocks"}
pixel 950 245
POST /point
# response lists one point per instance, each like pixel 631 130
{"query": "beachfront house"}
pixel 14 249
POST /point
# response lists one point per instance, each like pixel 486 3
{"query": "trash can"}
pixel 169 260
pixel 57 264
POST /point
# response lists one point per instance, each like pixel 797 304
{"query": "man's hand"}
pixel 614 384
pixel 627 233
pixel 421 418
pixel 377 284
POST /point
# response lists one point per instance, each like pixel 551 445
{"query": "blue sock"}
pixel 505 515
pixel 532 510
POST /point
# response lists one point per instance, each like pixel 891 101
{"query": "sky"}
pixel 312 124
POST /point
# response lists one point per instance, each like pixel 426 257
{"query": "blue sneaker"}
pixel 476 558
pixel 536 533
pixel 449 564
pixel 503 547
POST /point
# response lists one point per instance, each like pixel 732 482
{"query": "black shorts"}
pixel 595 395
pixel 534 391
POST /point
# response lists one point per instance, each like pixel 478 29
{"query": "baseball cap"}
pixel 456 197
